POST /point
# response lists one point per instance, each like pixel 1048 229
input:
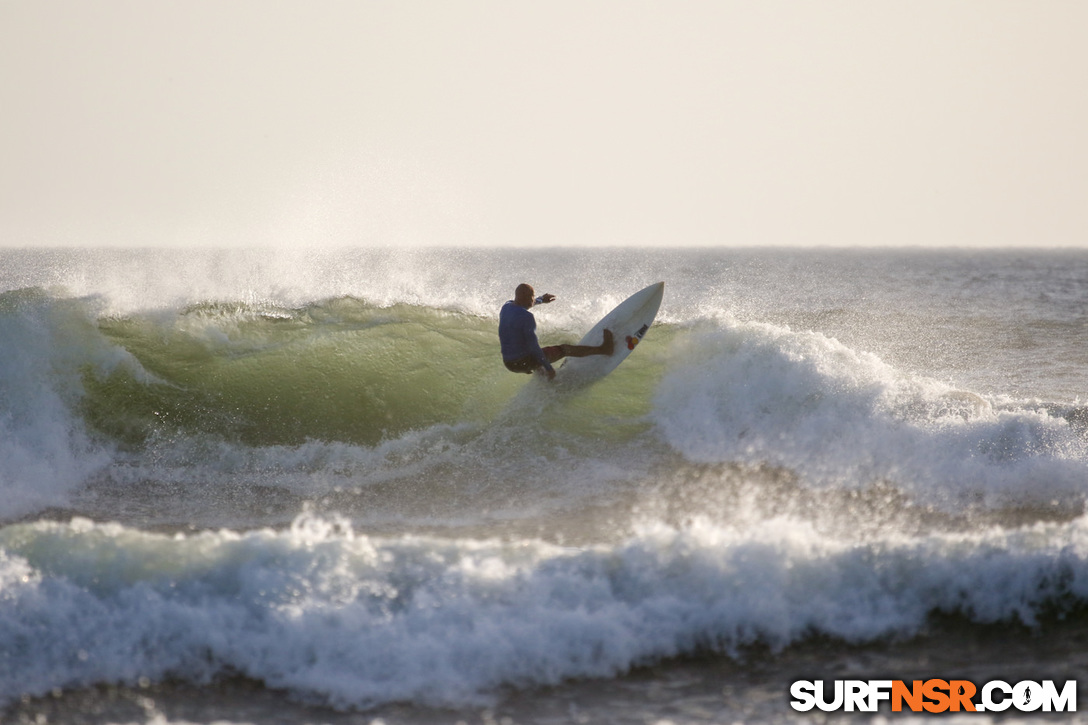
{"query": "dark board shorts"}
pixel 528 363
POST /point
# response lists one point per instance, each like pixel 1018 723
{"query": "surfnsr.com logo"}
pixel 934 696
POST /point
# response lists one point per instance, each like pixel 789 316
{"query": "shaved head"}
pixel 524 295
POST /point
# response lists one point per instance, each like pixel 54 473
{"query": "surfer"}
pixel 521 353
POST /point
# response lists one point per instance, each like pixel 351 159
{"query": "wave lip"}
pixel 357 621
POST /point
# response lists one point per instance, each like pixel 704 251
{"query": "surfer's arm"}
pixel 544 299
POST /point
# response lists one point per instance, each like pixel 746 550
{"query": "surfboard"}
pixel 629 322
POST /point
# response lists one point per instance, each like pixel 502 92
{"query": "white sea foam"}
pixel 755 393
pixel 45 451
pixel 356 621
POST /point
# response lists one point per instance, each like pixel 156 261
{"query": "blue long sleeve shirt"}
pixel 517 334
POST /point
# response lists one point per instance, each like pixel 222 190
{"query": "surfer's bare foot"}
pixel 608 345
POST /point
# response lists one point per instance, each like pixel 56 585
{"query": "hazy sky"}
pixel 619 122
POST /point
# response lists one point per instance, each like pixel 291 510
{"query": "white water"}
pixel 358 621
pixel 793 449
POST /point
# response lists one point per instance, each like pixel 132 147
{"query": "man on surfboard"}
pixel 521 353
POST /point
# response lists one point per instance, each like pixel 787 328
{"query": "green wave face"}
pixel 340 370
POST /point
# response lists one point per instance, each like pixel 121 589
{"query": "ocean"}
pixel 259 486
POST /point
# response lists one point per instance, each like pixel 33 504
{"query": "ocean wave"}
pixel 332 394
pixel 342 392
pixel 356 621
pixel 760 394
pixel 342 370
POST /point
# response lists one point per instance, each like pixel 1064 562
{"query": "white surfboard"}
pixel 628 323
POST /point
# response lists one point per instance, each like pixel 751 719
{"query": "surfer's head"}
pixel 524 295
